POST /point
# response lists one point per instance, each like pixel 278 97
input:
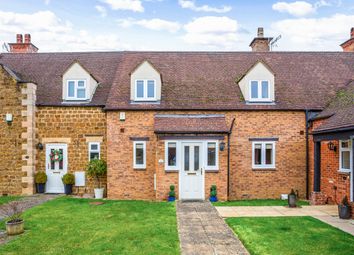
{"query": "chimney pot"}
pixel 19 38
pixel 27 38
pixel 260 32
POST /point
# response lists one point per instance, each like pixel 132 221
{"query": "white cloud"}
pixel 101 10
pixel 126 5
pixel 187 4
pixel 211 31
pixel 46 2
pixel 50 33
pixel 315 34
pixel 152 24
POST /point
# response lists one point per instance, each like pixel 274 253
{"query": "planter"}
pixel 292 200
pixel 99 193
pixel 344 211
pixel 40 187
pixel 171 199
pixel 68 188
pixel 15 228
pixel 213 199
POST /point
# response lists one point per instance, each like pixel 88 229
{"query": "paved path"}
pixel 325 213
pixel 202 231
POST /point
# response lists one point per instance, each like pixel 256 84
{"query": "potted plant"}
pixel 40 179
pixel 13 217
pixel 292 199
pixel 68 180
pixel 97 168
pixel 344 209
pixel 172 194
pixel 213 193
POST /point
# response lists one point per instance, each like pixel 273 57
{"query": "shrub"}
pixel 292 192
pixel 172 192
pixel 12 211
pixel 345 201
pixel 68 179
pixel 97 168
pixel 40 177
pixel 213 191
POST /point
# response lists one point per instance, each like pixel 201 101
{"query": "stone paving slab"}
pixel 344 225
pixel 202 231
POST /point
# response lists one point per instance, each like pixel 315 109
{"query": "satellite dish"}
pixel 5 47
pixel 273 43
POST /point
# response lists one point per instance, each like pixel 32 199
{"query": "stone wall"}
pixel 74 126
pixel 124 182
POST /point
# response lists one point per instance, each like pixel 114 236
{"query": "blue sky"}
pixel 225 25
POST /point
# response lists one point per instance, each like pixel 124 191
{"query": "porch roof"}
pixel 190 124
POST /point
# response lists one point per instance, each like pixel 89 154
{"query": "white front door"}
pixel 191 179
pixel 56 168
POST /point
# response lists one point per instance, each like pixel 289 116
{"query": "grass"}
pixel 73 226
pixel 291 235
pixel 6 199
pixel 258 202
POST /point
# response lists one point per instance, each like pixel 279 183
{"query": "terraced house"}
pixel 256 124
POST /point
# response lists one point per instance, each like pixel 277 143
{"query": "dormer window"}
pixel 259 91
pixel 76 90
pixel 145 90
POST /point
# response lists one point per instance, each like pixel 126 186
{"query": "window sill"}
pixel 139 168
pixel 171 171
pixel 211 170
pixel 264 168
pixel 344 172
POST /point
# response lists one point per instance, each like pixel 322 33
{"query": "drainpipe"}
pixel 307 153
pixel 228 157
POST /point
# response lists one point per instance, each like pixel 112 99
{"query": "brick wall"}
pixel 74 126
pixel 10 135
pixel 289 127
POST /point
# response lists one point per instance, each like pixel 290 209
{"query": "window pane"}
pixel 269 152
pixel 345 159
pixel 265 89
pixel 71 89
pixel 140 89
pixel 345 144
pixel 151 89
pixel 52 163
pixel 186 158
pixel 258 154
pixel 171 154
pixel 61 162
pixel 94 155
pixel 196 158
pixel 94 147
pixel 81 93
pixel 81 84
pixel 211 154
pixel 139 154
pixel 254 89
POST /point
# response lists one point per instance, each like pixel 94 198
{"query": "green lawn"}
pixel 258 202
pixel 6 199
pixel 72 226
pixel 291 235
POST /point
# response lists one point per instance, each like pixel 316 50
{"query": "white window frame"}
pixel 341 149
pixel 178 156
pixel 263 153
pixel 208 167
pixel 259 86
pixel 139 166
pixel 145 97
pixel 76 82
pixel 98 149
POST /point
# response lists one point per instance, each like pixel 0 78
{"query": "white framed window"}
pixel 345 156
pixel 212 155
pixel 139 155
pixel 145 90
pixel 94 150
pixel 259 90
pixel 76 90
pixel 263 155
pixel 172 154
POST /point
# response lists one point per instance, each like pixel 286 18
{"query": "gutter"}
pixel 228 158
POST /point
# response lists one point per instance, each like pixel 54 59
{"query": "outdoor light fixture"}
pixel 222 146
pixel 40 146
pixel 332 147
pixel 8 118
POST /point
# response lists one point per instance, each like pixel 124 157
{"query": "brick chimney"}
pixel 260 43
pixel 23 46
pixel 348 46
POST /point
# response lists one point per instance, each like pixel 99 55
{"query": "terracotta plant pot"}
pixel 15 228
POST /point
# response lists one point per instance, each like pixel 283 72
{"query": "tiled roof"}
pixel 192 80
pixel 340 112
pixel 181 124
